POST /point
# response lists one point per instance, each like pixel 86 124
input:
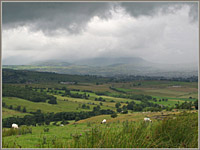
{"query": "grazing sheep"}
pixel 61 125
pixel 147 120
pixel 104 121
pixel 15 126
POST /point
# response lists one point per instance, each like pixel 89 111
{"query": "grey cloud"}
pixel 51 16
pixel 137 9
pixel 73 16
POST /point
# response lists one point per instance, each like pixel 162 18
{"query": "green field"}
pixel 127 103
pixel 12 113
pixel 66 106
pixel 77 135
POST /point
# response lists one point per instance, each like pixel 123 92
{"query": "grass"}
pixel 125 131
pixel 169 133
pixel 12 113
pixel 160 88
pixel 62 106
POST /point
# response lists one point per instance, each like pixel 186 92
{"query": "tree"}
pixel 52 100
pixel 119 110
pixel 24 109
pixel 83 106
pixel 64 122
pixel 117 105
pixel 130 106
pixel 77 118
pixel 47 122
pixel 18 108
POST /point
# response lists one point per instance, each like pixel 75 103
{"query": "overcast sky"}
pixel 160 32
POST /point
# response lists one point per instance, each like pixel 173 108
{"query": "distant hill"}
pixel 50 63
pixel 25 76
pixel 105 61
pixel 104 66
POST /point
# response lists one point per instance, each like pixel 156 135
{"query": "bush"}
pixel 113 115
pixel 46 129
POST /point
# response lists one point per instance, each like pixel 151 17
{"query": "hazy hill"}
pixel 105 66
pixel 105 61
pixel 50 63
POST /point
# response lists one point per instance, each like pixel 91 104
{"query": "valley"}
pixel 80 103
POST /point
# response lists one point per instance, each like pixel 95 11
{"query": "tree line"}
pixel 45 118
pixel 27 94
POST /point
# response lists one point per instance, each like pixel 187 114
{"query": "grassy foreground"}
pixel 178 131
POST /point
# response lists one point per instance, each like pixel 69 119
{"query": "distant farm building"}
pixel 67 83
pixel 176 86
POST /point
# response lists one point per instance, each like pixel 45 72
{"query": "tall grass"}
pixel 181 132
pixel 22 130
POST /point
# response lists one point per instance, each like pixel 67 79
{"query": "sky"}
pixel 159 32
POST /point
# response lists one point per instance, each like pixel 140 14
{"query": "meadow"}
pixel 125 131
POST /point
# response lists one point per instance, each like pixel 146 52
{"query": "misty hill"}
pixel 105 61
pixel 111 67
pixel 51 63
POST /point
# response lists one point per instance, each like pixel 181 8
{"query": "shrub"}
pixel 46 129
pixel 113 115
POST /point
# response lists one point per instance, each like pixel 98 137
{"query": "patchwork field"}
pixel 57 115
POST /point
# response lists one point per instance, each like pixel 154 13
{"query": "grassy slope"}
pixel 63 135
pixel 62 106
pixel 10 113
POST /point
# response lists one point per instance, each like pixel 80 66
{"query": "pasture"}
pixel 12 113
pixel 125 131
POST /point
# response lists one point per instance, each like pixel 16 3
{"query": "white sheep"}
pixel 15 126
pixel 147 120
pixel 104 121
pixel 61 125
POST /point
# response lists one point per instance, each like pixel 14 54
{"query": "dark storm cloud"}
pixel 74 15
pixel 151 8
pixel 51 16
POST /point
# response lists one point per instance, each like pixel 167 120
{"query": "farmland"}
pixel 80 104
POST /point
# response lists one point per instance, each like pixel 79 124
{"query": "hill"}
pixel 105 66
